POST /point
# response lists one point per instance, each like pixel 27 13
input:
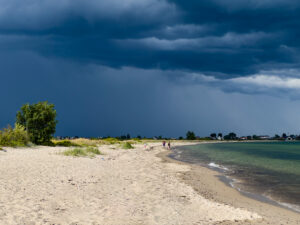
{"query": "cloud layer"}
pixel 232 38
pixel 216 49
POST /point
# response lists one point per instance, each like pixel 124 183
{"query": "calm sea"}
pixel 270 169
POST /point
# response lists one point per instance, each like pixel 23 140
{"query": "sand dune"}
pixel 40 186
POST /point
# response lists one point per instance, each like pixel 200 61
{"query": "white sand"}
pixel 39 186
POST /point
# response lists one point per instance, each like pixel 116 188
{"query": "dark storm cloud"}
pixel 153 67
pixel 229 37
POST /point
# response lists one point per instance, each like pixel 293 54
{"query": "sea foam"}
pixel 214 165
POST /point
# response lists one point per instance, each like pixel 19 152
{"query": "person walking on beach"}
pixel 164 143
pixel 169 145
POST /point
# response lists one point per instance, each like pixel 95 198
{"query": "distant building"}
pixel 264 137
pixel 289 138
pixel 243 138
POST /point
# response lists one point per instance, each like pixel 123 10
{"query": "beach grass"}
pixel 82 152
pixel 92 150
pixel 127 145
pixel 65 143
pixel 85 142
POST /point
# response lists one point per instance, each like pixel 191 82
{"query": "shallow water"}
pixel 271 169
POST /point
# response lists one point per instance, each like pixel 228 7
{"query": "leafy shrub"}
pixel 82 152
pixel 39 120
pixel 14 136
pixel 190 135
pixel 127 145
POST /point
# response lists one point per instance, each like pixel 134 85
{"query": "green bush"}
pixel 39 121
pixel 82 152
pixel 127 145
pixel 14 137
pixel 190 135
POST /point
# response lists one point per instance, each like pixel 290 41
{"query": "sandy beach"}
pixel 40 186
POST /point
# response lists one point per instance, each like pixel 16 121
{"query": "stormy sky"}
pixel 154 67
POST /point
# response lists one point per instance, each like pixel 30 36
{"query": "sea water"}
pixel 270 169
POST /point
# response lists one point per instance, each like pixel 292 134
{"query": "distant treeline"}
pixel 190 135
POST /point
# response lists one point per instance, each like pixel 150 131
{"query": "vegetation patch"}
pixel 85 142
pixel 93 150
pixel 136 140
pixel 111 141
pixel 66 143
pixel 82 152
pixel 127 145
pixel 14 137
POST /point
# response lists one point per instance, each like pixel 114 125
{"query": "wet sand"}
pixel 208 184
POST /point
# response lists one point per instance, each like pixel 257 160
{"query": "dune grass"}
pixel 92 150
pixel 111 141
pixel 85 142
pixel 127 145
pixel 65 143
pixel 82 152
pixel 76 152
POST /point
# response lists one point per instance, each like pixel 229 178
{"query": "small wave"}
pixel 290 206
pixel 214 165
pixel 286 205
pixel 177 156
pixel 233 183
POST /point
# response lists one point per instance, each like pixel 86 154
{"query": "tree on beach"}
pixel 276 136
pixel 255 137
pixel 213 135
pixel 190 135
pixel 39 121
pixel 220 135
pixel 230 136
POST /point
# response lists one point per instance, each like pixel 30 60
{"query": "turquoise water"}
pixel 271 169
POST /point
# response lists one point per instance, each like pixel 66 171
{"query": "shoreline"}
pixel 231 182
pixel 220 190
